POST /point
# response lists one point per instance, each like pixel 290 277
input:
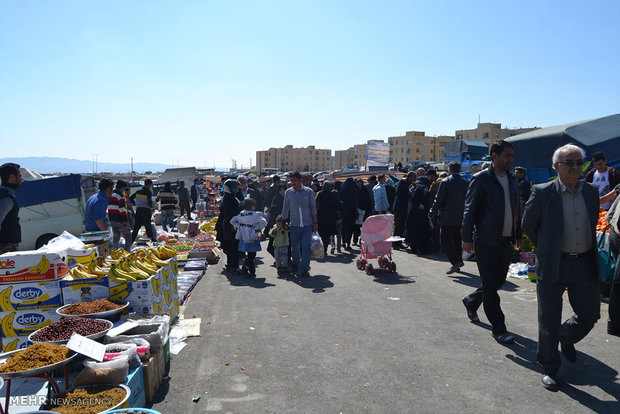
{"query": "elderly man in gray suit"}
pixel 560 219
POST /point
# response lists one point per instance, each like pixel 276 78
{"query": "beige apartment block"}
pixel 415 145
pixel 294 159
pixel 489 132
pixel 354 156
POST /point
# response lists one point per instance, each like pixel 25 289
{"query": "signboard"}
pixel 378 154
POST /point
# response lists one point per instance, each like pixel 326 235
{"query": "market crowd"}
pixel 486 216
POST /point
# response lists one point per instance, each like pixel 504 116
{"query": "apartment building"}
pixel 415 145
pixel 294 159
pixel 354 156
pixel 489 132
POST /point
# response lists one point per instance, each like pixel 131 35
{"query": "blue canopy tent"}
pixel 534 149
pixel 48 190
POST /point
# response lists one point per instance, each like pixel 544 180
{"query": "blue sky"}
pixel 204 82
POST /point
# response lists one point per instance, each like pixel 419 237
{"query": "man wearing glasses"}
pixel 560 219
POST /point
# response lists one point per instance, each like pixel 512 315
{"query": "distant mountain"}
pixel 50 165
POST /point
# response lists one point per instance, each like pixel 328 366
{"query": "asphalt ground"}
pixel 340 342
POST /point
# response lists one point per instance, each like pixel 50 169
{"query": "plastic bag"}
pixel 143 347
pixel 110 372
pixel 153 329
pixel 115 351
pixel 360 216
pixel 317 250
pixel 62 243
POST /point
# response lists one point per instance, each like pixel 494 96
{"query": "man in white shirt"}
pixel 604 177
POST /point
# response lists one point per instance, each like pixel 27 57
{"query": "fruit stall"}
pixel 57 307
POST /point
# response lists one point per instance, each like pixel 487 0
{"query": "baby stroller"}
pixel 376 243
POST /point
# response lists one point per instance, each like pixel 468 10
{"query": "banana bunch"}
pixel 117 254
pixel 42 267
pixel 86 272
pixel 130 271
pixel 105 263
pixel 164 252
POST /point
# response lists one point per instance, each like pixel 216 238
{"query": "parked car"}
pixel 48 207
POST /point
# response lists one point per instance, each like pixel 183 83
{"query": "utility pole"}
pixel 95 163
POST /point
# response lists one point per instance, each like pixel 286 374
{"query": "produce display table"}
pixel 33 373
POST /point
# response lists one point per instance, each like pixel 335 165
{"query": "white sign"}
pixel 123 327
pixel 83 345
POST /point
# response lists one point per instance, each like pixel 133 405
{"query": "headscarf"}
pixel 230 187
pixel 424 181
pixel 389 182
pixel 327 186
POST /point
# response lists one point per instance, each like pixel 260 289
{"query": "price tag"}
pixel 85 346
pixel 123 327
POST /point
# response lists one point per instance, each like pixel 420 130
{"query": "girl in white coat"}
pixel 249 225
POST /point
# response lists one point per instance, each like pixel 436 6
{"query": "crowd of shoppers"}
pixel 486 216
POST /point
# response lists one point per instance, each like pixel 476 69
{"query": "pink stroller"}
pixel 376 243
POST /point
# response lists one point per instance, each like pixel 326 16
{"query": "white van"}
pixel 49 206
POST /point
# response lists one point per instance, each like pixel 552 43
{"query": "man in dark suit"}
pixel 448 207
pixel 491 219
pixel 560 219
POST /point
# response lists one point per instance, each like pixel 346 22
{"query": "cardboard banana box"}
pixel 25 322
pixel 141 293
pixel 15 343
pixel 31 266
pixel 83 257
pixel 33 295
pixel 80 290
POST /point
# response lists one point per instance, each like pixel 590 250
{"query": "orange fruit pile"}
pixel 602 221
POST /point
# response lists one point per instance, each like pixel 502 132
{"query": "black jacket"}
pixel 275 208
pixel 524 189
pixel 418 196
pixel 483 219
pixel 369 187
pixel 348 196
pixel 258 196
pixel 450 201
pixel 271 192
pixel 229 208
pixel 401 200
pixel 390 191
pixel 327 212
pixel 10 229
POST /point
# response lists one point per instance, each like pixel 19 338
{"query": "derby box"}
pixel 81 290
pixel 30 295
pixel 25 322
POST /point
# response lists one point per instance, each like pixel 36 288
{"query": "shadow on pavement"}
pixel 240 279
pixel 344 257
pixel 586 371
pixel 473 280
pixel 386 278
pixel 163 389
pixel 318 283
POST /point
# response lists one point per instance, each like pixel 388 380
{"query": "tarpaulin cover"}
pixel 458 147
pixel 48 189
pixel 534 149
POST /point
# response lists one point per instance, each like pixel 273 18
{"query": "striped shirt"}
pixel 116 209
pixel 142 198
pixel 167 200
